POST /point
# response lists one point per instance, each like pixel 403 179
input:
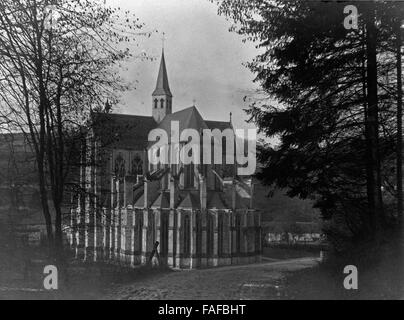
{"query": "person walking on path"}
pixel 155 256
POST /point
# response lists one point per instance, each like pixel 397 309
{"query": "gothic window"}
pixel 120 170
pixel 153 227
pixel 238 234
pixel 156 103
pixel 210 237
pixel 189 176
pixel 221 235
pixel 162 103
pixel 198 235
pixel 139 232
pixel 137 166
pixel 164 233
pixel 187 236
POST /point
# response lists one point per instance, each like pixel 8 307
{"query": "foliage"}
pixel 59 62
pixel 337 129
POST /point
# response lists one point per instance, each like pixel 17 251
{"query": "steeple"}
pixel 162 97
pixel 162 87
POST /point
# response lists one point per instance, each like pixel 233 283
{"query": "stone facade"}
pixel 189 238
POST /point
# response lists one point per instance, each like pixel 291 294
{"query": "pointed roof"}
pixel 241 202
pixel 162 87
pixel 140 202
pixel 189 118
pixel 215 201
pixel 162 202
pixel 221 125
pixel 190 202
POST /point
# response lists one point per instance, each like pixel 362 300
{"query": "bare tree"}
pixel 398 31
pixel 58 62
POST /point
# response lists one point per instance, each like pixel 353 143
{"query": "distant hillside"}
pixel 279 209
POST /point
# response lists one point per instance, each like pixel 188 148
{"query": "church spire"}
pixel 162 97
pixel 162 87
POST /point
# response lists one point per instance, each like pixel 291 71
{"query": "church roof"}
pixel 189 118
pixel 162 87
pixel 242 202
pixel 124 131
pixel 191 202
pixel 162 202
pixel 215 201
pixel 140 202
pixel 131 132
pixel 221 125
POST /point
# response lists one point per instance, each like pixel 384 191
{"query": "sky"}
pixel 204 60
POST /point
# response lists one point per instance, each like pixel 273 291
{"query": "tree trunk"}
pixel 374 176
pixel 397 27
pixel 365 216
pixel 45 207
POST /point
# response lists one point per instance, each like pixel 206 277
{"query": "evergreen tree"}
pixel 329 102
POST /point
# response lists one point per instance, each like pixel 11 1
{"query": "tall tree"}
pixel 58 61
pixel 329 103
pixel 398 45
pixel 372 121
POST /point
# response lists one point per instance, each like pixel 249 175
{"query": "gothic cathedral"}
pixel 196 216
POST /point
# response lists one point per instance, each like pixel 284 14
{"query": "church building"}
pixel 199 215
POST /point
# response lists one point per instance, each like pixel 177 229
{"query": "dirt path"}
pixel 257 281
